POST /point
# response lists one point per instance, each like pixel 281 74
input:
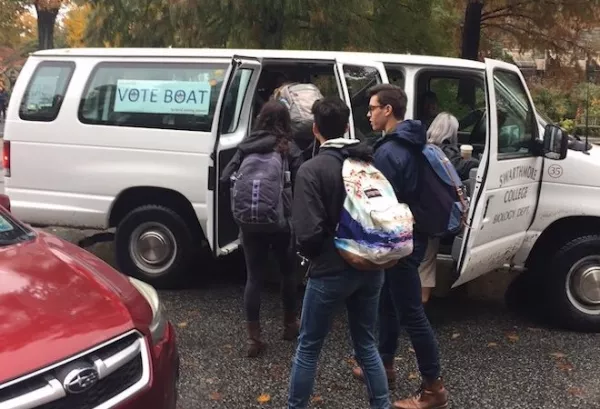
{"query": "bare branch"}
pixel 508 14
pixel 559 44
pixel 501 9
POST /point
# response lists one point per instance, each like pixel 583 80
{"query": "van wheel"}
pixel 154 244
pixel 573 287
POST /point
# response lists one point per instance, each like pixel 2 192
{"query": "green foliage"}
pixel 415 26
pixel 568 125
pixel 555 103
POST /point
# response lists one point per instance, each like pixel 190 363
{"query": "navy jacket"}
pixel 396 157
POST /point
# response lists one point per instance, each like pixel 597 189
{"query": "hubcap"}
pixel 584 283
pixel 153 248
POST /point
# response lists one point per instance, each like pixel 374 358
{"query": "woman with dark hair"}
pixel 272 133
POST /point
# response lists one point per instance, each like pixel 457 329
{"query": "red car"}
pixel 75 333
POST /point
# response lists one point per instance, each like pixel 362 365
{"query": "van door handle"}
pixel 485 210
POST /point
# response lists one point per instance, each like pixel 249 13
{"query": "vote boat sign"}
pixel 163 97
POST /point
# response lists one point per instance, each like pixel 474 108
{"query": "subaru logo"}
pixel 80 380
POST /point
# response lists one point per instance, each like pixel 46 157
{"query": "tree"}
pixel 529 24
pixel 369 25
pixel 75 23
pixel 140 23
pixel 11 24
pixel 46 11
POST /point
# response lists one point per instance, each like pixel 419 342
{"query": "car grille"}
pixel 97 379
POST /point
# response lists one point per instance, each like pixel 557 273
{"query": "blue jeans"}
pixel 360 292
pixel 401 305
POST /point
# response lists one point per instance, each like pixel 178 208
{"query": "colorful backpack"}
pixel 374 231
pixel 258 197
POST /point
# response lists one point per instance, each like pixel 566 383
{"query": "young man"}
pixel 319 194
pixel 397 156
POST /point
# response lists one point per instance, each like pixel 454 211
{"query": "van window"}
pixel 447 91
pixel 46 91
pixel 395 75
pixel 234 100
pixel 461 94
pixel 517 124
pixel 359 79
pixel 181 96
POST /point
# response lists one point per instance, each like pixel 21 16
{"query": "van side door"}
pixel 504 201
pixel 230 127
pixel 355 77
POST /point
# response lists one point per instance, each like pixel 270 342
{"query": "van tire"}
pixel 565 308
pixel 153 224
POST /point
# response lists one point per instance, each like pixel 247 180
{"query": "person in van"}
pixel 271 134
pixel 443 132
pixel 319 196
pixel 397 156
pixel 430 108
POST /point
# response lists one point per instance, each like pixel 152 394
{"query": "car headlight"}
pixel 159 319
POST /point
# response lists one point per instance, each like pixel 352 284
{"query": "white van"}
pixel 136 139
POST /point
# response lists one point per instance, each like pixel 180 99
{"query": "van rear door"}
pixel 508 181
pixel 229 128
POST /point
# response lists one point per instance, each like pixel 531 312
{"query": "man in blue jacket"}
pixel 398 156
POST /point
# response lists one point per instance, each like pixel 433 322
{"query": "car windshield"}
pixel 12 232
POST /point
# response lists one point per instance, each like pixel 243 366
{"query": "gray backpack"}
pixel 299 98
pixel 258 193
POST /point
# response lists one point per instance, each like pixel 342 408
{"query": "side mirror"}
pixel 556 142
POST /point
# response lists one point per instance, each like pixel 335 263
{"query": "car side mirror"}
pixel 556 142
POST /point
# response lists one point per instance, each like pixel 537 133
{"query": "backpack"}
pixel 299 99
pixel 441 207
pixel 258 199
pixel 374 230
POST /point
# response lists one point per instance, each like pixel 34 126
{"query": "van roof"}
pixel 275 54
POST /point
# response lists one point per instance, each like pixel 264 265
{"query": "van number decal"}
pixel 555 171
pixel 162 97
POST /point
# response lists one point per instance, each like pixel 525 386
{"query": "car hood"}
pixel 54 303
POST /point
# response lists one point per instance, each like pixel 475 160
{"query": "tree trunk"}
pixel 46 18
pixel 471 33
pixel 471 36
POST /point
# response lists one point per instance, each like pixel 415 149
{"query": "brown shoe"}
pixel 431 395
pixel 291 326
pixel 255 345
pixel 389 372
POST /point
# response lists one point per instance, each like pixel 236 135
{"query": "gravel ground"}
pixel 492 358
